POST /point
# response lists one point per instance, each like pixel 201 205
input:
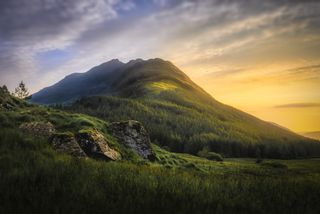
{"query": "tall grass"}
pixel 36 179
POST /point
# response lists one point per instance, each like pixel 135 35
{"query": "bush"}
pixel 214 156
pixel 210 155
pixel 259 160
pixel 275 164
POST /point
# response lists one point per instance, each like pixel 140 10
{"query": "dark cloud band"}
pixel 299 105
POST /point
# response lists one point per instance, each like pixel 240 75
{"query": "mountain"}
pixel 113 78
pixel 179 115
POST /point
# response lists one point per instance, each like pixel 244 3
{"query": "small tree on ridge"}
pixel 21 91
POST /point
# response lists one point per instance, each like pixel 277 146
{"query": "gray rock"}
pixel 67 144
pixel 95 145
pixel 132 134
pixel 38 129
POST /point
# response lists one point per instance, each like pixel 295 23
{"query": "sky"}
pixel 261 56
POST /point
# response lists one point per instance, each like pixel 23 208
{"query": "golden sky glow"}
pixel 293 104
pixel 286 92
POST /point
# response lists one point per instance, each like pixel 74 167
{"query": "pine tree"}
pixel 21 91
pixel 4 89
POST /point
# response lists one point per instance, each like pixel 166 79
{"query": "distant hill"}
pixel 179 115
pixel 313 135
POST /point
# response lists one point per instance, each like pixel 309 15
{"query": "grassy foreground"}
pixel 34 178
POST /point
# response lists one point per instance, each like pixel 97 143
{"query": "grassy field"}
pixel 34 178
pixel 264 167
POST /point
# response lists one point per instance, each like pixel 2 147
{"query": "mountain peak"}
pixel 114 60
pixel 108 63
pixel 111 77
pixel 134 61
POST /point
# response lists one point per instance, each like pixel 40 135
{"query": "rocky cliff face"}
pixel 132 134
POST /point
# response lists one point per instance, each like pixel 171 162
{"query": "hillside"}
pixel 179 115
pixel 313 135
pixel 36 176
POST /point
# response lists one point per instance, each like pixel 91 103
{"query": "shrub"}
pixel 259 160
pixel 214 156
pixel 210 155
pixel 275 164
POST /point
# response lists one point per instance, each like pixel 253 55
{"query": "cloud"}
pixel 190 33
pixel 29 27
pixel 224 73
pixel 299 105
pixel 50 23
pixel 220 31
pixel 309 68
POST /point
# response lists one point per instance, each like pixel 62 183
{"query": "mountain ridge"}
pixel 106 75
pixel 177 112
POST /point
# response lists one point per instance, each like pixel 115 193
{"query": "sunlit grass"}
pixel 158 87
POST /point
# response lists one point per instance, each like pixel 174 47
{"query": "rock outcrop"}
pixel 95 145
pixel 66 143
pixel 39 129
pixel 92 143
pixel 132 134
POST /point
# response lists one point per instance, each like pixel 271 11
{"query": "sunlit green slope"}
pixel 184 118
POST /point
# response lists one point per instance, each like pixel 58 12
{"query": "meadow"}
pixel 34 177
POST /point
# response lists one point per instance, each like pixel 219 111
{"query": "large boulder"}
pixel 95 145
pixel 38 129
pixel 132 134
pixel 66 143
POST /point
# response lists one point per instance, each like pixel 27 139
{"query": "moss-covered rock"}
pixel 96 145
pixel 66 143
pixel 39 129
pixel 132 134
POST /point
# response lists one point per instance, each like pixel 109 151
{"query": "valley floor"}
pixel 240 166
